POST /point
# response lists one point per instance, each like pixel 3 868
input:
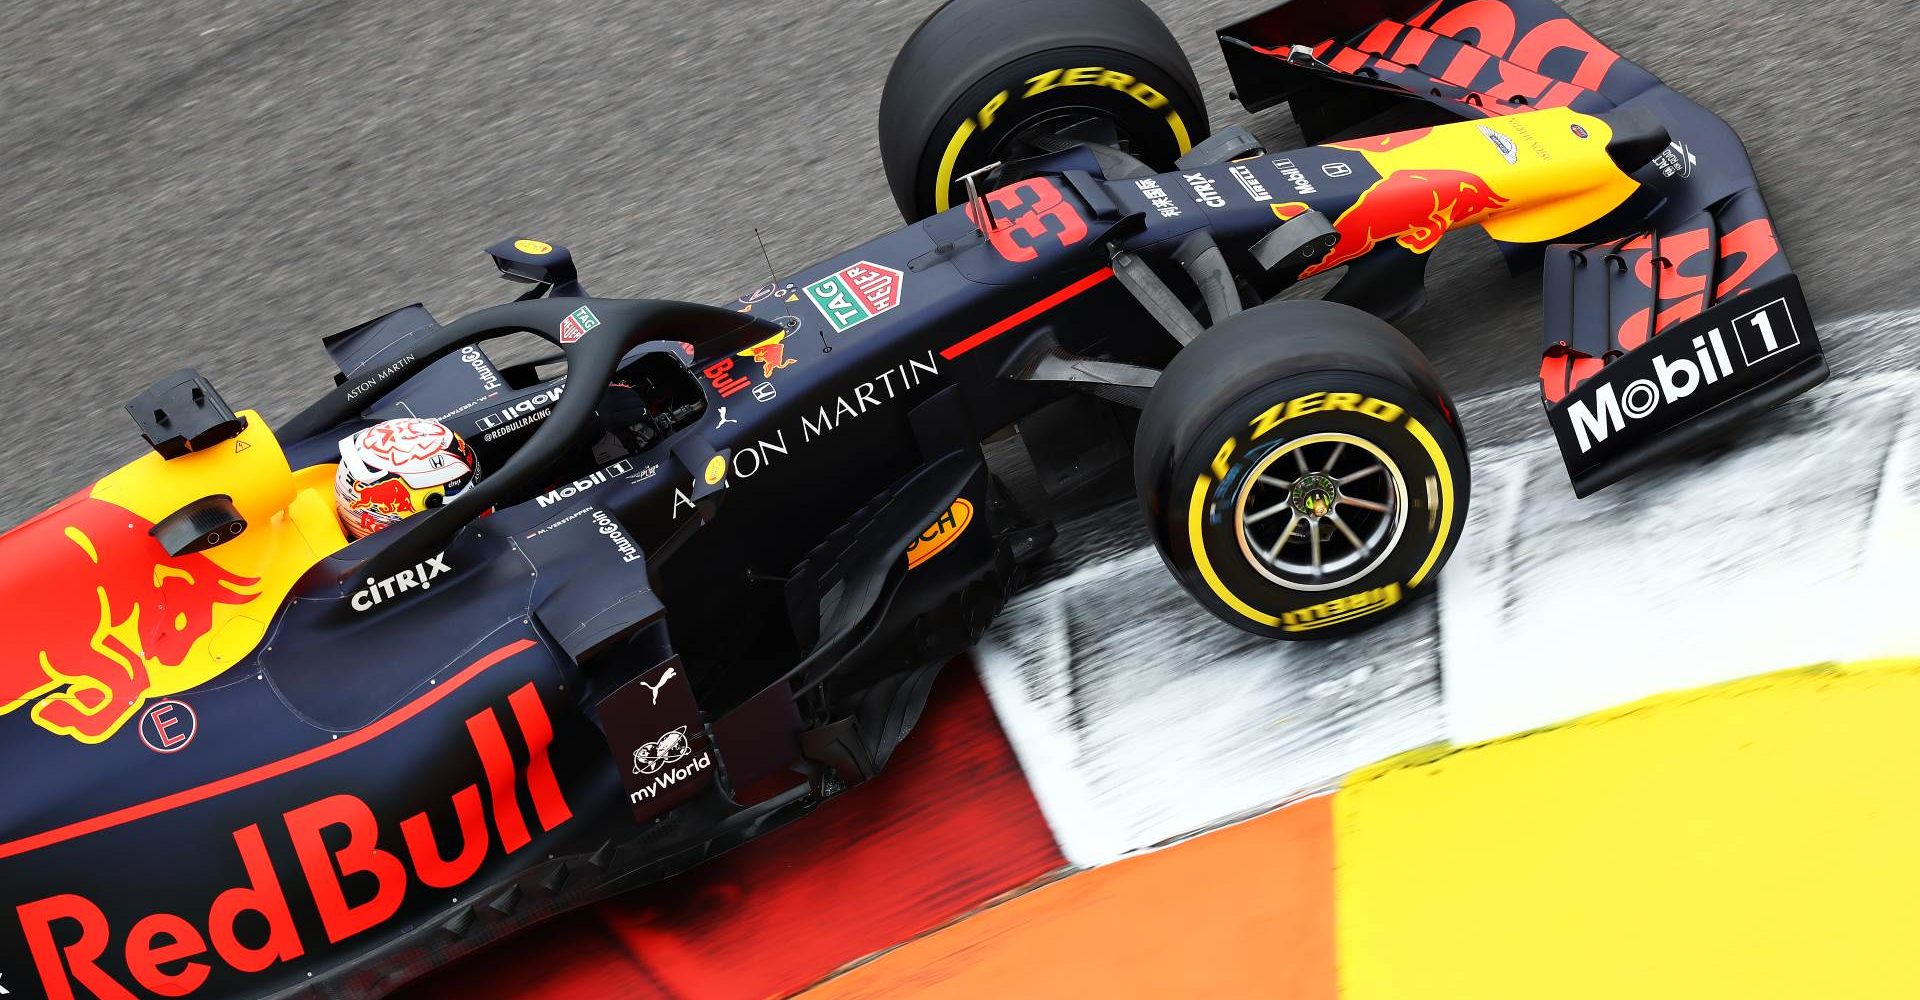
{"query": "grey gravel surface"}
pixel 220 183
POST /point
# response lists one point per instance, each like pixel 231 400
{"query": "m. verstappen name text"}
pixel 336 843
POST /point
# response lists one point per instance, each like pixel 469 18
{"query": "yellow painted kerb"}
pixel 1752 840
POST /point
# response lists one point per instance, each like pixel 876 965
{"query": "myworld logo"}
pixel 670 759
pixel 1759 334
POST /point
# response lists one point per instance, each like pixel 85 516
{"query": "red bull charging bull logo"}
pixel 389 496
pixel 770 353
pixel 1411 207
pixel 108 614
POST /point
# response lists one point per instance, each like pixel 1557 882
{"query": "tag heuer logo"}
pixel 577 324
pixel 856 293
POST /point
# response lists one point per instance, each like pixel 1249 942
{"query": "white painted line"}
pixel 1139 718
pixel 1784 550
pixel 1887 575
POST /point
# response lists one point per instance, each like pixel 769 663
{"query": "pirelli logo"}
pixel 1340 610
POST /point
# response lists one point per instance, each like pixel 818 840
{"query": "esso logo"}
pixel 168 726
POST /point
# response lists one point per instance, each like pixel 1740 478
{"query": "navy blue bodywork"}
pixel 689 612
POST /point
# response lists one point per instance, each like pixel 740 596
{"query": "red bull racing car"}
pixel 711 557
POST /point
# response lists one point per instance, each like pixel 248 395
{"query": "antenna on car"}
pixel 763 252
pixel 977 206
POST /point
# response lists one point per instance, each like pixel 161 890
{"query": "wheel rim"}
pixel 1321 511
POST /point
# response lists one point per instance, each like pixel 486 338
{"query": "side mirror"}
pixel 531 261
pixel 182 413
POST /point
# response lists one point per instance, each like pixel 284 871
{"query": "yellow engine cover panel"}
pixel 107 620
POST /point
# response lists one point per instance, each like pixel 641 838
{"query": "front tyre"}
pixel 980 78
pixel 1301 471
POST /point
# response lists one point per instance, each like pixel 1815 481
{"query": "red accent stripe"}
pixel 949 825
pixel 1347 60
pixel 1378 40
pixel 264 772
pixel 548 803
pixel 497 761
pixel 1027 314
pixel 1413 48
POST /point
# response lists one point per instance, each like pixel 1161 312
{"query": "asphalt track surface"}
pixel 220 183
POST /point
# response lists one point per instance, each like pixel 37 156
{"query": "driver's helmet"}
pixel 398 468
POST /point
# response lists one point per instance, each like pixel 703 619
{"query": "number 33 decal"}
pixel 1028 215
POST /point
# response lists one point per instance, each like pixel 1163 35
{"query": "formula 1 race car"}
pixel 709 569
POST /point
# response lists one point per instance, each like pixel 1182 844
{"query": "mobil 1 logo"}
pixel 1765 332
pixel 1714 359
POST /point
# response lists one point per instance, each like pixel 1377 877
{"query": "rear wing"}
pixel 1672 318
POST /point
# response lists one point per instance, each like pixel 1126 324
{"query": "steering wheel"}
pixel 592 360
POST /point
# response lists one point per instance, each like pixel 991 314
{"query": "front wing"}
pixel 1671 319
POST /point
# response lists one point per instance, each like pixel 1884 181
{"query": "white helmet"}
pixel 397 468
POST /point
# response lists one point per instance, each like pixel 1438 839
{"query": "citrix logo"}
pixel 1672 381
pixel 420 577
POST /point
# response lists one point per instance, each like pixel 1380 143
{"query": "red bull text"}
pixel 336 842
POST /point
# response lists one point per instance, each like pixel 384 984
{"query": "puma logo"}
pixel 654 689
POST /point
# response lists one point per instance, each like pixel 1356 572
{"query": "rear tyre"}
pixel 1301 471
pixel 980 76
